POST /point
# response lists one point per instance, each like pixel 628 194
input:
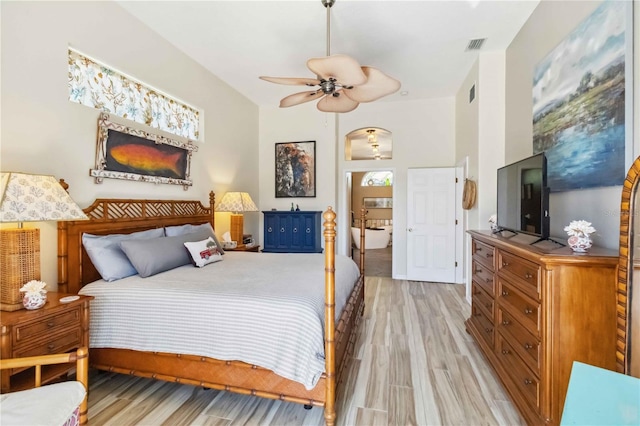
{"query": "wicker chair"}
pixel 55 404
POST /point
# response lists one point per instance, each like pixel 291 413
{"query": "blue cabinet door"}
pixel 292 232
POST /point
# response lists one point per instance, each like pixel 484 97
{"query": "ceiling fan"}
pixel 342 83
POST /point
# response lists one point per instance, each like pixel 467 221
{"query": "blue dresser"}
pixel 292 232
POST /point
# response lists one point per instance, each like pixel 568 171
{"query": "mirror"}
pixel 628 352
pixel 368 143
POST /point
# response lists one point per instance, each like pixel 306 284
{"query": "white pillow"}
pixel 204 252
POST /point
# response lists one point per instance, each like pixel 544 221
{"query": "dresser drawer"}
pixel 525 381
pixel 483 324
pixel 525 274
pixel 60 343
pixel 49 324
pixel 483 253
pixel 484 277
pixel 523 309
pixel 525 343
pixel 482 300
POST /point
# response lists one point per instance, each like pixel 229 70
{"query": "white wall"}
pixel 548 25
pixel 423 136
pixel 42 132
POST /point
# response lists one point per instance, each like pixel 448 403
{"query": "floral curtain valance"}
pixel 95 85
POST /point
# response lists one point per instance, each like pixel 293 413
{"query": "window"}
pixel 96 85
pixel 384 178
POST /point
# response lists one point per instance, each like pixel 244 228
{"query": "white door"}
pixel 431 225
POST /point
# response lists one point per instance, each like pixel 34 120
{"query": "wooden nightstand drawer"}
pixel 55 344
pixel 48 324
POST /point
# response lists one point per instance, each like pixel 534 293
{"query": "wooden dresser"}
pixel 534 311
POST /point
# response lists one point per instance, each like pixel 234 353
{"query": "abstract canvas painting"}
pixel 579 103
pixel 295 169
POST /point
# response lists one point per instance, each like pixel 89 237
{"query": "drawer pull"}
pixel 528 276
pixel 477 249
pixel 487 280
pixel 487 305
pixel 281 229
pixel 50 324
pixel 489 254
pixel 50 346
pixel 506 322
pixel 505 352
pixel 505 293
pixel 269 229
pixel 488 330
pixel 527 382
pixel 527 311
pixel 295 230
pixel 477 271
pixel 527 346
pixel 505 263
pixel 308 230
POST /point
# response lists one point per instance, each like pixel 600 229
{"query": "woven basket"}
pixel 19 264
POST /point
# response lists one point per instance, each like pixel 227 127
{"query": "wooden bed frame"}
pixel 111 216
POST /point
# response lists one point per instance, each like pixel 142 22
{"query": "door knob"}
pixel 410 229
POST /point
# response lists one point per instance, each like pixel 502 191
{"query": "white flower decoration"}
pixel 493 218
pixel 579 228
pixel 33 287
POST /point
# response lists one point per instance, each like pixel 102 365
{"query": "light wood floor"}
pixel 414 365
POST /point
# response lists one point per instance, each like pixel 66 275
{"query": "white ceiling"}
pixel 420 43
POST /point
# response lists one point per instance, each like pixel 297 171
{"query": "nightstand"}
pixel 55 328
pixel 255 248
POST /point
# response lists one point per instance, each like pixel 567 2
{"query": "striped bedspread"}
pixel 265 309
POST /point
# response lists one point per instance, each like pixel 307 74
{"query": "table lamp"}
pixel 27 198
pixel 236 203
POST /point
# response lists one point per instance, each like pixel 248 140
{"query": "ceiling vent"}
pixel 475 44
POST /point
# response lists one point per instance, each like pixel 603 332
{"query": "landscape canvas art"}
pixel 295 169
pixel 579 103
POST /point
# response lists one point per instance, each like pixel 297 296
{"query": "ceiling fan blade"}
pixel 292 81
pixel 300 98
pixel 344 69
pixel 378 85
pixel 338 103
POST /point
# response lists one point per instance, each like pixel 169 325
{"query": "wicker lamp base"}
pixel 236 228
pixel 19 264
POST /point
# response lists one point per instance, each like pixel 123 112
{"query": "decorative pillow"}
pixel 204 252
pixel 150 257
pixel 171 231
pixel 107 256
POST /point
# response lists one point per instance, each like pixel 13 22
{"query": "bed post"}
pixel 363 227
pixel 329 315
pixel 212 203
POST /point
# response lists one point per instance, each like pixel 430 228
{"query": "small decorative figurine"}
pixel 297 208
pixel 291 206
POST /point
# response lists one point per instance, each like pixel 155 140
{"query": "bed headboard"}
pixel 119 216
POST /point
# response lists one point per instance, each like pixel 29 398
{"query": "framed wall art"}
pixel 125 151
pixel 377 202
pixel 295 169
pixel 582 104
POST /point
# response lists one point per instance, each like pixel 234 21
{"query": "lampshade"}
pixel 237 202
pixel 35 198
pixel 27 198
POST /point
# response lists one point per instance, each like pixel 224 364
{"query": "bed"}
pixel 125 216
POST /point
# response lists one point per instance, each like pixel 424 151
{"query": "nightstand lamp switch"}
pixel 27 198
pixel 236 203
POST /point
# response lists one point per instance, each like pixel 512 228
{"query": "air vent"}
pixel 476 44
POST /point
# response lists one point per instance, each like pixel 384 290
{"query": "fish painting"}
pixel 147 159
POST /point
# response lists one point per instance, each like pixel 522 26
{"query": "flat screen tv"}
pixel 523 197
